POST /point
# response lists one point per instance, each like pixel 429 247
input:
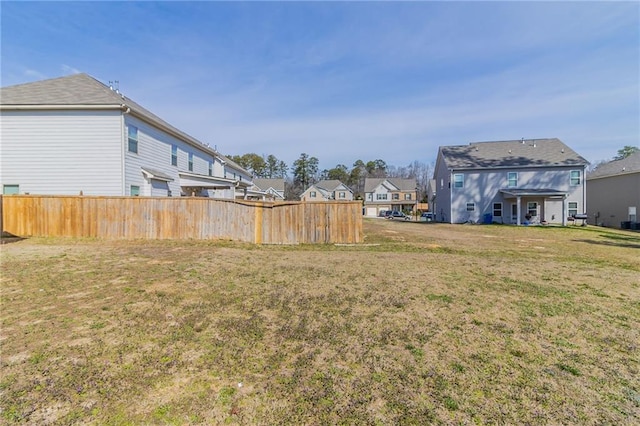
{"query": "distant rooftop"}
pixel 631 164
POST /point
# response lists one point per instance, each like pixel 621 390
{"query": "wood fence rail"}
pixel 182 218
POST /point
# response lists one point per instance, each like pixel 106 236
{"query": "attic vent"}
pixel 534 144
pixel 509 151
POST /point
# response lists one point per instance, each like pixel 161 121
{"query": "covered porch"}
pixel 536 206
pixel 193 184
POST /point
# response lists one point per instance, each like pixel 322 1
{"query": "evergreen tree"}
pixel 305 171
pixel 625 152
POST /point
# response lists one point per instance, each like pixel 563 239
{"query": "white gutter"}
pixel 58 107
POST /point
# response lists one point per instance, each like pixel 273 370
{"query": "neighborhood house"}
pixel 516 182
pixel 72 135
pixel 327 190
pixel 271 189
pixel 613 192
pixel 392 194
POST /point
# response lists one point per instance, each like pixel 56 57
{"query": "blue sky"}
pixel 347 81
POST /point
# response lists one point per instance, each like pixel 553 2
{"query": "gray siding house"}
pixel 72 135
pixel 515 182
pixel 613 192
pixel 389 194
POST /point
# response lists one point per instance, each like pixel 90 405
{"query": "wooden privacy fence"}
pixel 182 218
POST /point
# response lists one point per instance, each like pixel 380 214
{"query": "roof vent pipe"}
pixel 522 140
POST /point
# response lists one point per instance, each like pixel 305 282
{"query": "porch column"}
pixel 564 211
pixel 518 209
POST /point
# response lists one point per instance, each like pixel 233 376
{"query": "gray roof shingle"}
pixel 370 184
pixel 329 185
pixel 76 89
pixel 631 164
pixel 264 184
pixel 515 153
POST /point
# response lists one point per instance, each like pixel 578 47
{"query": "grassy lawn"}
pixel 422 324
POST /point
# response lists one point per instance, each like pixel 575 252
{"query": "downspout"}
pixel 123 134
pixel 122 154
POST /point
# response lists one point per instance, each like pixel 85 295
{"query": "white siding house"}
pixel 73 135
pixel 522 181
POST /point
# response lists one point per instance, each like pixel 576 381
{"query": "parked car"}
pixel 428 216
pixel 398 215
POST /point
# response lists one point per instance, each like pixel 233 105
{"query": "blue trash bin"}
pixel 488 219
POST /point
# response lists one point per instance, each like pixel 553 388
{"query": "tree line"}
pixel 305 172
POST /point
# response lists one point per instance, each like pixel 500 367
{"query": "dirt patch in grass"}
pixel 424 323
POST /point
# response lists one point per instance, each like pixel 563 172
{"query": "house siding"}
pixel 610 198
pixel 62 152
pixel 443 178
pixel 483 189
pixel 154 151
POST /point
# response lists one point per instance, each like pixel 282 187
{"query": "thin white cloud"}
pixel 66 69
pixel 34 74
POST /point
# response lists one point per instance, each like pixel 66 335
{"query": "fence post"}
pixel 257 225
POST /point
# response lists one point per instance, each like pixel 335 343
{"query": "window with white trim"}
pixel 471 207
pixel 135 190
pixel 573 208
pixel 497 209
pixel 381 196
pixel 575 177
pixel 395 196
pixel 190 162
pixel 532 208
pixel 407 196
pixel 312 194
pixel 342 195
pixel 174 155
pixel 210 168
pixel 132 136
pixel 458 181
pixel 512 179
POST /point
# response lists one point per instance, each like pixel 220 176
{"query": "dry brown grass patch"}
pixel 423 324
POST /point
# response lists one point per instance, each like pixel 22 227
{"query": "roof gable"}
pixel 331 185
pixel 516 153
pixel 264 184
pixel 391 184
